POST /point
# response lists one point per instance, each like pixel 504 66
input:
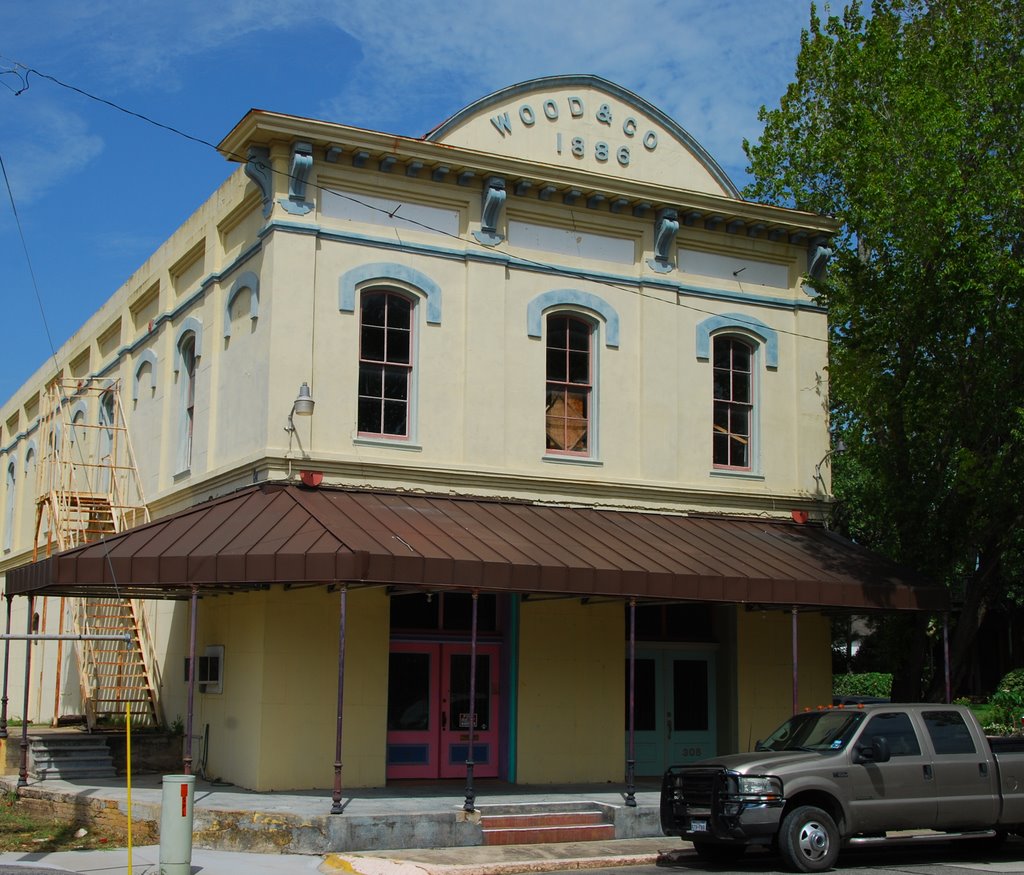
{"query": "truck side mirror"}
pixel 875 751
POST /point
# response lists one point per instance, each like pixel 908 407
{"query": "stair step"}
pixel 529 821
pixel 545 834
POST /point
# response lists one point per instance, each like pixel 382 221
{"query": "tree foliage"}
pixel 905 123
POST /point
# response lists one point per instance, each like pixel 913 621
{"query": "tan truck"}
pixel 842 776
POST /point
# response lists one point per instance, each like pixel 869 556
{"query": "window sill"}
pixel 573 460
pixel 735 475
pixel 389 443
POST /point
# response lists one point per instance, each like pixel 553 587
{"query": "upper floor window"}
pixel 187 348
pixel 385 365
pixel 733 403
pixel 567 419
pixel 9 486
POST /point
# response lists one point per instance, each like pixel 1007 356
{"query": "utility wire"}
pixel 581 275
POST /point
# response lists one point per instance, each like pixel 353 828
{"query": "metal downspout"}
pixel 796 663
pixel 23 768
pixel 336 806
pixel 193 610
pixel 470 803
pixel 7 662
pixel 631 761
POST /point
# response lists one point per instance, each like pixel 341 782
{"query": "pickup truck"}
pixel 839 776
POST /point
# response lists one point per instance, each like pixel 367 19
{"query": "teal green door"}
pixel 675 708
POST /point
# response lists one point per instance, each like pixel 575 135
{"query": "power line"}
pixel 580 275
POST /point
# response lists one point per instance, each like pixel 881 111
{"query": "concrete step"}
pixel 538 824
pixel 70 757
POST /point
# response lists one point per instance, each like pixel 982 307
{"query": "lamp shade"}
pixel 304 403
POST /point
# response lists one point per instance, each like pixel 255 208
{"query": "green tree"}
pixel 905 123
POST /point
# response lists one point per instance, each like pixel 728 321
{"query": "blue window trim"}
pixel 383 271
pixel 574 298
pixel 30 454
pixel 247 280
pixel 147 356
pixel 743 324
pixel 10 487
pixel 193 325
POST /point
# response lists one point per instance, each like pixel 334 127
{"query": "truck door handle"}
pixel 983 769
pixel 927 772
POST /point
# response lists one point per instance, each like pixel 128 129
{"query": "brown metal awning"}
pixel 288 534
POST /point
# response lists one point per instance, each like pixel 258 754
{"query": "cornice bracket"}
pixel 258 169
pixel 818 257
pixel 302 163
pixel 666 226
pixel 493 200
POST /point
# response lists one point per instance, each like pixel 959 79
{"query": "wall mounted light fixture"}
pixel 840 447
pixel 302 406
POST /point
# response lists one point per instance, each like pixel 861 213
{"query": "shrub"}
pixel 871 683
pixel 1008 699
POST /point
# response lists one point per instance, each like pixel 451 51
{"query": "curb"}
pixel 383 866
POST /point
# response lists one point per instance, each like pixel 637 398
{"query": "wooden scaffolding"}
pixel 88 487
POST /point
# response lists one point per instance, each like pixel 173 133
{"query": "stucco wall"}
pixel 281 676
pixel 571 683
pixel 764 680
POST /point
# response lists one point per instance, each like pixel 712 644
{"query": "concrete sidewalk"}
pixel 496 860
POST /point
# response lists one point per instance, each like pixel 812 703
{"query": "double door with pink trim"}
pixel 429 714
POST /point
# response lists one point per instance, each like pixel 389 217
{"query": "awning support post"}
pixel 190 709
pixel 631 761
pixel 796 663
pixel 470 803
pixel 336 806
pixel 7 663
pixel 945 656
pixel 23 767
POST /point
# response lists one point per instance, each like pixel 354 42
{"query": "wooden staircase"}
pixel 89 488
pixel 542 823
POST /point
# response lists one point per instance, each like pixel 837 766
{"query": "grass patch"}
pixel 23 830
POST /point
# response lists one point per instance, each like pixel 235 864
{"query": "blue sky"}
pixel 98 191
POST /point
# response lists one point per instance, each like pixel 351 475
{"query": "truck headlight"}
pixel 763 786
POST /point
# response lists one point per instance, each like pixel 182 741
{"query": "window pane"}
pixel 556 365
pixel 409 692
pixel 557 332
pixel 645 714
pixel 399 312
pixel 369 415
pixel 741 387
pixel 394 417
pixel 414 611
pixel 740 356
pixel 721 417
pixel 740 421
pixel 372 346
pixel 396 383
pixel 579 367
pixel 949 733
pixel 370 380
pixel 689 695
pixel 458 687
pixel 738 448
pixel 721 449
pixel 576 404
pixel 398 346
pixel 579 335
pixel 722 385
pixel 722 353
pixel 897 730
pixel 374 308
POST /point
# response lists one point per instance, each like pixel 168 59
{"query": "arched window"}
pixel 570 384
pixel 187 382
pixel 733 415
pixel 385 365
pixel 10 482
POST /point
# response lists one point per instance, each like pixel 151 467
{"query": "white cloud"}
pixel 43 144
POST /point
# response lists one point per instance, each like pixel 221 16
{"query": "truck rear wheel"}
pixel 808 840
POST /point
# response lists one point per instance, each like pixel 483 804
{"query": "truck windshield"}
pixel 816 730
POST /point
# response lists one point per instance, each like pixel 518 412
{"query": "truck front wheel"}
pixel 808 840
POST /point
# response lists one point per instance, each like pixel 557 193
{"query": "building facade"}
pixel 556 299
